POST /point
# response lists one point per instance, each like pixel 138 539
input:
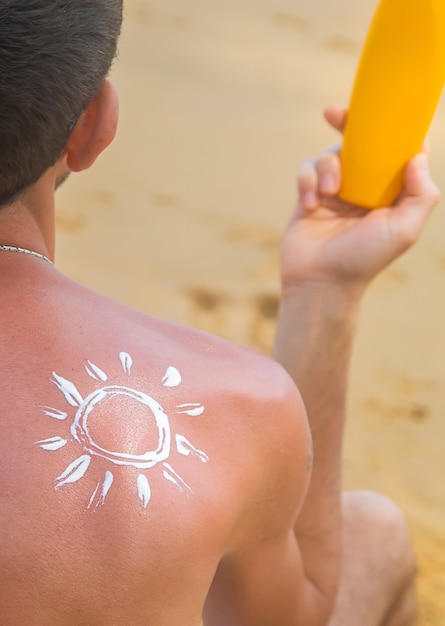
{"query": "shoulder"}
pixel 260 438
pixel 238 407
pixel 254 430
pixel 280 457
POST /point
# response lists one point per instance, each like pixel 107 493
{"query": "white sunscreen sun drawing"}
pixel 80 431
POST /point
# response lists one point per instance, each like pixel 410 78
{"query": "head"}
pixel 55 56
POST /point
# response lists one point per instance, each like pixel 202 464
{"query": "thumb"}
pixel 417 177
pixel 417 201
pixel 336 116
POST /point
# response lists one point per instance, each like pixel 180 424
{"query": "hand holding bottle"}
pixel 333 243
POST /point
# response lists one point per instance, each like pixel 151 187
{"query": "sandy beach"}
pixel 183 218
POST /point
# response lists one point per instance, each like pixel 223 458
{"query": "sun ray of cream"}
pixel 93 496
pixel 95 372
pixel 126 362
pixel 54 413
pixel 74 472
pixel 192 409
pixel 172 377
pixel 144 491
pixel 106 486
pixel 170 475
pixel 185 448
pixel 68 389
pixel 55 443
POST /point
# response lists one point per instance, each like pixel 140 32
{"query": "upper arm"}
pixel 261 579
pixel 263 586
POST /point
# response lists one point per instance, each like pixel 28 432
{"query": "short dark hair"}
pixel 54 57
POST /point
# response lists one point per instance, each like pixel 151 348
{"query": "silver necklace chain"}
pixel 25 251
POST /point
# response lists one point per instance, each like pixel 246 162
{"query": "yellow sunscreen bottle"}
pixel 397 89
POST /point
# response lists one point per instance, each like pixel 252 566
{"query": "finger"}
pixel 329 174
pixel 426 148
pixel 308 186
pixel 335 149
pixel 418 181
pixel 420 196
pixel 336 116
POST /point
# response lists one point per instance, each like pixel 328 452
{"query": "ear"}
pixel 95 129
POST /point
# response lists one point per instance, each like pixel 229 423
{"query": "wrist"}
pixel 315 327
pixel 338 299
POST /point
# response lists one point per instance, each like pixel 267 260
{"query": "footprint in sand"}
pixel 266 305
pixel 339 43
pixel 292 22
pixel 250 321
pixel 413 411
pixel 209 310
pixel 263 236
pixel 101 197
pixel 441 262
pixel 165 200
pixel 264 309
pixel 141 12
pixel 205 300
pixel 70 221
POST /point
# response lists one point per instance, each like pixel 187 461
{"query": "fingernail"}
pixel 328 183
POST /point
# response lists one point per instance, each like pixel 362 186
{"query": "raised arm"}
pixel 282 566
pixel 330 253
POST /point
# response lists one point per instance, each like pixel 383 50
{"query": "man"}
pixel 151 474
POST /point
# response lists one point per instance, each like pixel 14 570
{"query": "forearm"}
pixel 314 342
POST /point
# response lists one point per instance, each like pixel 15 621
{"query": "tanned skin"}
pixel 253 540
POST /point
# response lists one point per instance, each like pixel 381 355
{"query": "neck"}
pixel 29 222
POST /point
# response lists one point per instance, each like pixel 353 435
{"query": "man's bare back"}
pixel 134 455
pixel 149 473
